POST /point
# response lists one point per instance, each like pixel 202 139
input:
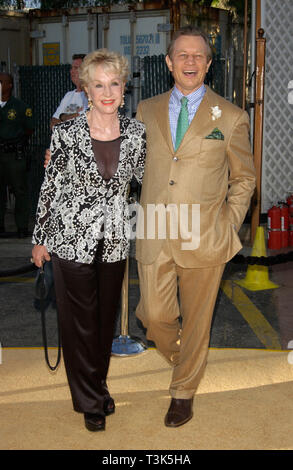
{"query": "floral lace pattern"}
pixel 77 207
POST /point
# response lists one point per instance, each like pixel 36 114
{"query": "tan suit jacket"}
pixel 218 175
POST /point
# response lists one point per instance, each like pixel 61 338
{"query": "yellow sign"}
pixel 51 53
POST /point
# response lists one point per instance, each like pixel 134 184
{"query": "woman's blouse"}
pixel 76 202
pixel 107 156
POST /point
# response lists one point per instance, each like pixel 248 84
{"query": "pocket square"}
pixel 216 134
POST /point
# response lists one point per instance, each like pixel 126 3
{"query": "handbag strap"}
pixel 44 329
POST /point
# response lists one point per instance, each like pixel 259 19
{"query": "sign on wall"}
pixel 51 53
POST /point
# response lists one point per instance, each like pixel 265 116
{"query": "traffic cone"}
pixel 257 276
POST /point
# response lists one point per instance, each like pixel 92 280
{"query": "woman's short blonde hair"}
pixel 110 60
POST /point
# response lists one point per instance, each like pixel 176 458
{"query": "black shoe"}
pixel 109 406
pixel 94 422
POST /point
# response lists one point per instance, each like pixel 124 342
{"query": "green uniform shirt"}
pixel 15 118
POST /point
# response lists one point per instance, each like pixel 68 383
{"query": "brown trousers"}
pixel 185 346
pixel 87 300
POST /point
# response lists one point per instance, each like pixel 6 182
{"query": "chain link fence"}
pixel 42 88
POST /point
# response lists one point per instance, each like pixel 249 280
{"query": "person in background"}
pixel 82 222
pixel 199 158
pixel 16 126
pixel 74 102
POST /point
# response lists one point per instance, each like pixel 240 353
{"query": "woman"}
pixel 82 223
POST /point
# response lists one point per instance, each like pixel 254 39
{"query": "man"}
pixel 74 101
pixel 16 125
pixel 210 171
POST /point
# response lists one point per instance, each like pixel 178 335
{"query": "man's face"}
pixel 76 63
pixel 189 63
pixel 5 87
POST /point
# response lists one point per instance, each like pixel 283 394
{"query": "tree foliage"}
pixel 52 4
pixel 237 6
pixel 13 4
pixel 56 4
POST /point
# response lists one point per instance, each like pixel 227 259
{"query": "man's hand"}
pixel 47 157
pixel 40 255
pixel 64 117
pixel 53 122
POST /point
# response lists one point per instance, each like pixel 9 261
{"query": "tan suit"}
pixel 219 176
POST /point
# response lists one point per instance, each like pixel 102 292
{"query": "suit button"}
pixel 171 182
pixel 175 159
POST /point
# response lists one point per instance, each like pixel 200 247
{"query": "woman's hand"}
pixel 47 157
pixel 40 255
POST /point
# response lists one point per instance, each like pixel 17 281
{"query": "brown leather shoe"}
pixel 180 411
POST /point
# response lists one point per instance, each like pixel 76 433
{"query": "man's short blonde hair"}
pixel 110 60
pixel 190 31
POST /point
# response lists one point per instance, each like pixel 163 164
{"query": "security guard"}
pixel 16 125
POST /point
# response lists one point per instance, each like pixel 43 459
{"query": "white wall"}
pixel 72 34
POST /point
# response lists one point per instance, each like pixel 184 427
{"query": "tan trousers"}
pixel 184 346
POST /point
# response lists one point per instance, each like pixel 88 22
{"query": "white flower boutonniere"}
pixel 216 112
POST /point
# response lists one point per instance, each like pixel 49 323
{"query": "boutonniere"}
pixel 216 112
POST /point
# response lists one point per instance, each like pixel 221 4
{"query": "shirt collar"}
pixel 193 98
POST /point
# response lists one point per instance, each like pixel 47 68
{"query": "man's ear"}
pixel 169 63
pixel 208 65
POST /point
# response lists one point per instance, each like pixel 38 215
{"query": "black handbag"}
pixel 44 284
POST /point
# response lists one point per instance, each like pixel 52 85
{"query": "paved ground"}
pixel 242 318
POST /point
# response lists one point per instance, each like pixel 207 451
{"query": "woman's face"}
pixel 105 89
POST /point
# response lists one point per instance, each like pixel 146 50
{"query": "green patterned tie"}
pixel 182 124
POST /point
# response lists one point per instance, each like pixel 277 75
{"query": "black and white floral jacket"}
pixel 76 205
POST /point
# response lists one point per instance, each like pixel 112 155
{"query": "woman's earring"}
pixel 122 102
pixel 91 106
